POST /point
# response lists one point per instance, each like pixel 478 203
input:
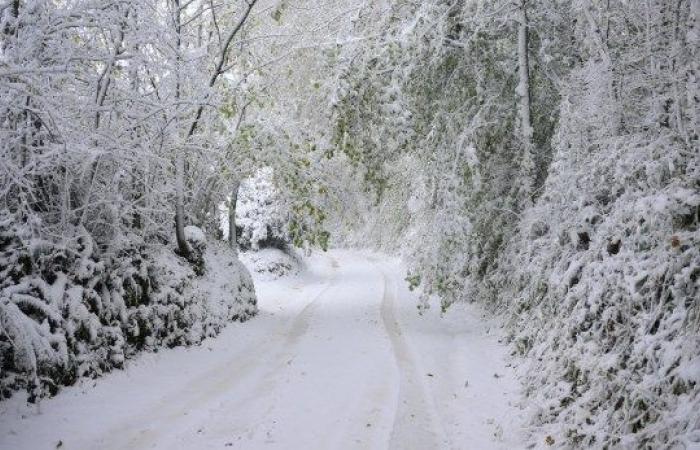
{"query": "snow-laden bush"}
pixel 557 181
pixel 602 287
pixel 67 311
pixel 259 215
pixel 271 263
pixel 198 245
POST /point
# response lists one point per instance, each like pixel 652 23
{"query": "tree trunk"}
pixel 232 237
pixel 180 163
pixel 527 164
pixel 693 76
pixel 524 74
pixel 601 43
pixel 183 247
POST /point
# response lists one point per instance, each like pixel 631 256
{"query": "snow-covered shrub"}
pixel 88 196
pixel 581 228
pixel 259 215
pixel 271 262
pixel 68 311
pixel 601 286
pixel 198 245
pixel 606 302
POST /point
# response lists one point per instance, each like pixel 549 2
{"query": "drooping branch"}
pixel 180 166
pixel 223 58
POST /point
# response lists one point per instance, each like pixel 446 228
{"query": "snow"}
pixel 73 312
pixel 195 234
pixel 258 213
pixel 337 358
pixel 271 263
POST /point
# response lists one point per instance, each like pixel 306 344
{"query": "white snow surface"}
pixel 194 234
pixel 271 263
pixel 337 358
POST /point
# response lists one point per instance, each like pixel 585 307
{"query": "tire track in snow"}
pixel 145 429
pixel 415 424
pixel 363 421
pixel 329 364
pixel 371 409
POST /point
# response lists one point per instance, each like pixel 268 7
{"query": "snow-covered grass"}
pixel 336 358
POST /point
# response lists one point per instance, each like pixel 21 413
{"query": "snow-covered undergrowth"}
pixel 261 227
pixel 567 204
pixel 68 311
pixel 601 291
pixel 600 283
pixel 272 263
pixel 259 216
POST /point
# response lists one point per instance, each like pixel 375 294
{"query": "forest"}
pixel 538 161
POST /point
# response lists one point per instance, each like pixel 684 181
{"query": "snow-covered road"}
pixel 338 358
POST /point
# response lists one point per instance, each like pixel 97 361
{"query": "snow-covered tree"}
pixel 542 158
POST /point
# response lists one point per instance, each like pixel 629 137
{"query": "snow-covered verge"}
pixel 271 263
pixel 69 311
pixel 573 214
pixel 601 286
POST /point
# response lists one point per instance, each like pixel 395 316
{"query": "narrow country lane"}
pixel 337 359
